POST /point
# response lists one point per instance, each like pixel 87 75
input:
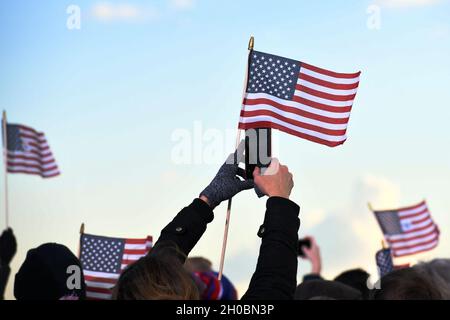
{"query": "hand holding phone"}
pixel 309 250
pixel 302 243
pixel 258 149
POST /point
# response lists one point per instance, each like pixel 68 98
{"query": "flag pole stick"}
pixel 251 44
pixel 5 163
pixel 79 242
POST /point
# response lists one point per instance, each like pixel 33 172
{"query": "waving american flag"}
pixel 306 101
pixel 28 152
pixel 104 258
pixel 408 230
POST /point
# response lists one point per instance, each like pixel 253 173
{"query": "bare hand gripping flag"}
pixel 29 152
pixel 408 230
pixel 298 98
pixel 104 258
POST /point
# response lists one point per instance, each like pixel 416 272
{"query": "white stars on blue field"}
pixel 102 254
pixel 272 75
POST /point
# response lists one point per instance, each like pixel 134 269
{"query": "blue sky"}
pixel 110 96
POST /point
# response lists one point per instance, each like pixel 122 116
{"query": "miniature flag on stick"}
pixel 27 151
pixel 104 258
pixel 306 101
pixel 408 230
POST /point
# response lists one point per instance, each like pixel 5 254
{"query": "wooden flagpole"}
pixel 79 242
pixel 5 163
pixel 251 44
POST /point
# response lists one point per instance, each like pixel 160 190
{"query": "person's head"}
pixel 50 272
pixel 325 290
pixel 357 279
pixel 156 278
pixel 198 264
pixel 406 284
pixel 438 270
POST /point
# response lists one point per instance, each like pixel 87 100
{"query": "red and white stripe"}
pixel 37 157
pixel 99 285
pixel 319 110
pixel 422 235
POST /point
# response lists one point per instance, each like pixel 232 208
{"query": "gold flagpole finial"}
pixel 251 43
pixel 82 228
pixel 370 206
pixel 383 244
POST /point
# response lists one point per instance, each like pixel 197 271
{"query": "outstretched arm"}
pixel 313 255
pixel 276 270
pixel 184 231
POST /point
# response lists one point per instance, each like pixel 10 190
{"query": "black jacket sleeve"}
pixel 184 231
pixel 276 270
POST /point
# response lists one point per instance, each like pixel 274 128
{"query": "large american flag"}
pixel 104 258
pixel 408 230
pixel 29 152
pixel 297 98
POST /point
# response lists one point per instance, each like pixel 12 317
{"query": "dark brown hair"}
pixel 407 284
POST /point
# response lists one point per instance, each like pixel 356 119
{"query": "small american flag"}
pixel 408 230
pixel 298 98
pixel 104 258
pixel 29 152
pixel 383 258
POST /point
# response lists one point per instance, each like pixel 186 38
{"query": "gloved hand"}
pixel 8 247
pixel 226 183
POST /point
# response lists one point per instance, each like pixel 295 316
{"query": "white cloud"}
pixel 106 11
pixel 315 217
pixel 129 12
pixel 380 191
pixel 182 4
pixel 406 3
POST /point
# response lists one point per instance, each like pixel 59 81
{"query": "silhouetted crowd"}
pixel 166 272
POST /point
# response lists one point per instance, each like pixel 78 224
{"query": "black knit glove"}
pixel 226 183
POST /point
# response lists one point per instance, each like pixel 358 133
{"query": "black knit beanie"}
pixel 44 274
